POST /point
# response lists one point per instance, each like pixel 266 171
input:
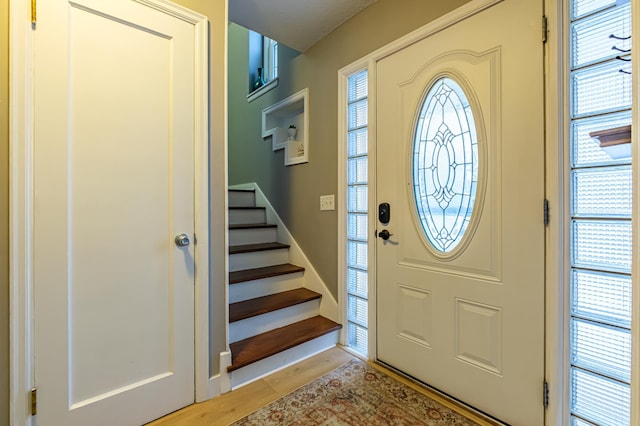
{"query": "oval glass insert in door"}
pixel 445 167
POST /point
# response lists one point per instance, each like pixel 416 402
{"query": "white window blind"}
pixel 600 223
pixel 357 172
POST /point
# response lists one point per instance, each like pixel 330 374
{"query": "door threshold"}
pixel 443 397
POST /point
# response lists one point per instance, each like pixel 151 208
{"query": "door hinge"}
pixel 545 394
pixel 34 401
pixel 545 28
pixel 33 12
pixel 546 212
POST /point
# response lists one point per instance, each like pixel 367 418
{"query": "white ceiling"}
pixel 298 24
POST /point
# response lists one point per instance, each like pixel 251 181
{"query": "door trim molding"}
pixel 20 211
pixel 635 272
pixel 21 55
pixel 556 232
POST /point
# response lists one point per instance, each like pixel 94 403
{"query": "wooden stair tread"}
pixel 265 304
pixel 264 272
pixel 246 208
pixel 256 348
pixel 249 248
pixel 252 225
pixel 241 190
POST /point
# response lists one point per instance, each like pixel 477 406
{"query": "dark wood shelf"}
pixel 256 348
pixel 615 136
pixel 270 303
pixel 616 141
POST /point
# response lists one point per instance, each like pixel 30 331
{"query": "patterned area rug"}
pixel 355 394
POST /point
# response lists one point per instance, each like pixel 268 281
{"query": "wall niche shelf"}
pixel 616 142
pixel 277 118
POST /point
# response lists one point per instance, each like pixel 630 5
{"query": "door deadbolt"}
pixel 384 213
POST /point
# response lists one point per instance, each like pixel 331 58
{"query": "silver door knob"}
pixel 182 240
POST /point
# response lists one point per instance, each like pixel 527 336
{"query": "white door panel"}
pixel 469 322
pixel 114 184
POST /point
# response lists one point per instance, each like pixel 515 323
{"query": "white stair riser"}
pixel 264 287
pixel 258 259
pixel 262 323
pixel 240 216
pixel 242 199
pixel 252 236
pixel 257 370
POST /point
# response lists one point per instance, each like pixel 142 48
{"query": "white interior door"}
pixel 114 185
pixel 460 282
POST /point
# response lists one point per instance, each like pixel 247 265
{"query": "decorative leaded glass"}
pixel 445 164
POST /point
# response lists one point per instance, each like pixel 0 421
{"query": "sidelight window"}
pixel 600 207
pixel 357 187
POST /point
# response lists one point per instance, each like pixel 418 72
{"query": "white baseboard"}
pixel 214 387
pixel 222 382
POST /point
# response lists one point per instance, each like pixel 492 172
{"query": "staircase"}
pixel 274 320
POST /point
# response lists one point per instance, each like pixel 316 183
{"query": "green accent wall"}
pixel 295 191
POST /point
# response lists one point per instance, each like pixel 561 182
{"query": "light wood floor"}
pixel 232 406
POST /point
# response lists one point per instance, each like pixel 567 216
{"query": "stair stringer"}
pixel 312 280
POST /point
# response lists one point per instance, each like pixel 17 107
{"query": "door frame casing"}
pixel 555 367
pixel 556 192
pixel 21 193
pixel 635 183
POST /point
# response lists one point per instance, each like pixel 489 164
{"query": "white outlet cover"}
pixel 327 202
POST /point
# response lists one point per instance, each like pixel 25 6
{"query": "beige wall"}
pixel 4 212
pixel 215 10
pixel 294 191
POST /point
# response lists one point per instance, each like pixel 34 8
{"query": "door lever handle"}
pixel 384 234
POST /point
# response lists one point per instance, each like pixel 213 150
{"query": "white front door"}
pixel 114 185
pixel 460 280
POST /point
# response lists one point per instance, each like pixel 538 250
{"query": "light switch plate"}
pixel 327 202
